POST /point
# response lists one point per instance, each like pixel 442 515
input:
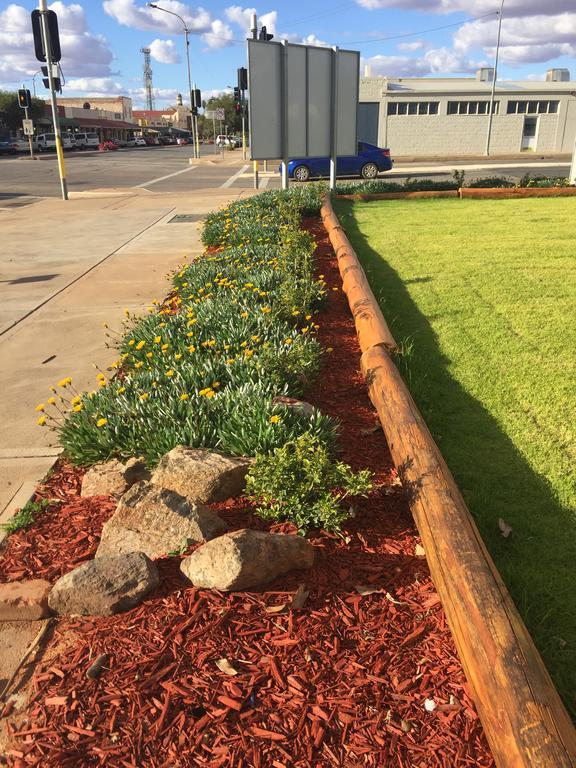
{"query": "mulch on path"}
pixel 343 681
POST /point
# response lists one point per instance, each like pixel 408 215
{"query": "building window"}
pixel 532 107
pixel 472 107
pixel 413 108
pixel 118 115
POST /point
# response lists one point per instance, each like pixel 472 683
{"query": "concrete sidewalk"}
pixel 72 266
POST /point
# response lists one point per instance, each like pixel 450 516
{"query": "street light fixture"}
pixel 491 107
pixel 190 98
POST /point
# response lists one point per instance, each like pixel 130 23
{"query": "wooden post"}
pixel 523 716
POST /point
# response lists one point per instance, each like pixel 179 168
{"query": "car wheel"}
pixel 369 171
pixel 301 173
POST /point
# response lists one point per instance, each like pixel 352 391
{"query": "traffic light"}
pixel 197 98
pixel 237 96
pixel 264 35
pixel 46 81
pixel 194 110
pixel 242 78
pixel 52 20
pixel 24 98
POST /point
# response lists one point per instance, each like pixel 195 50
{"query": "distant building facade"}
pixel 177 117
pixel 110 118
pixel 449 116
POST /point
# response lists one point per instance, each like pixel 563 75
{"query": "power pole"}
pixel 148 89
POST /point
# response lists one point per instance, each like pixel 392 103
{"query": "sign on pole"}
pixel 299 95
pixel 209 114
pixel 28 127
pixel 220 114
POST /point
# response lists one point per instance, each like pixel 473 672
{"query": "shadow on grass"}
pixel 538 560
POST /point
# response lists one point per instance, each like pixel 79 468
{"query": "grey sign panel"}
pixel 348 83
pixel 296 101
pixel 265 86
pixel 297 95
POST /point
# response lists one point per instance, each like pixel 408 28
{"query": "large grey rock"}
pixel 244 559
pixel 105 586
pixel 199 474
pixel 113 478
pixel 157 521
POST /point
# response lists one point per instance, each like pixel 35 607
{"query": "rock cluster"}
pixel 158 514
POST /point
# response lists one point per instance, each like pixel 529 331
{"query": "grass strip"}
pixel 479 295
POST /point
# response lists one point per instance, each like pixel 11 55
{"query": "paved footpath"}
pixel 66 268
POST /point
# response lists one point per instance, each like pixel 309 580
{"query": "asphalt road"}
pixel 166 169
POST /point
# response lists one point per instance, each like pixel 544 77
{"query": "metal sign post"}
pixel 43 8
pixel 284 110
pixel 28 129
pixel 334 121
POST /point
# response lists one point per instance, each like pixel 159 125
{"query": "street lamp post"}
pixel 186 31
pixel 493 91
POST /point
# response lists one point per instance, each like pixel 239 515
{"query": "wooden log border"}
pixel 525 721
pixel 488 193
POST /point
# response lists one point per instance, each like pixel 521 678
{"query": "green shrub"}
pixel 377 186
pixel 543 181
pixel 300 482
pixel 491 182
pixel 24 518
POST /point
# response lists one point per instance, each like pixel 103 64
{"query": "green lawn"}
pixel 483 293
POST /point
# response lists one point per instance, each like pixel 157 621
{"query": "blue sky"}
pixel 101 39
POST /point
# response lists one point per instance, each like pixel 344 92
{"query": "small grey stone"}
pixel 244 559
pixel 157 521
pixel 200 474
pixel 298 406
pixel 105 586
pixel 113 478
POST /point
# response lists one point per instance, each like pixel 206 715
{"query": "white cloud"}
pixel 84 54
pixel 437 61
pixel 417 45
pixel 127 13
pixel 93 85
pixel 474 7
pixel 220 35
pixel 164 51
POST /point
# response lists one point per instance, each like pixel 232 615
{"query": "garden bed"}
pixel 364 673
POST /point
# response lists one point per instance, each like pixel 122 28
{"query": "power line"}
pixel 423 31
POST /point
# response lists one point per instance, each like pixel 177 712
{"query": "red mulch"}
pixel 340 682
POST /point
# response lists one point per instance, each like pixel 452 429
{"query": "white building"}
pixel 449 116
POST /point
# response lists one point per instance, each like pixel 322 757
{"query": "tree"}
pixel 11 114
pixel 233 119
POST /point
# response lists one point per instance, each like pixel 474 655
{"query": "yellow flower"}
pixel 40 407
pixel 243 314
pixel 295 313
pixel 266 310
pixel 329 349
pixel 178 356
pixel 65 382
pixel 335 288
pixel 140 344
pixel 149 355
pixel 308 317
pixel 162 325
pixel 138 364
pixel 231 360
pixel 215 384
pixel 275 419
pixel 170 373
pixel 121 390
pixel 52 389
pixel 76 400
pixel 288 341
pixel 191 348
pixel 164 347
pixel 144 396
pixel 192 321
pixel 157 339
pixel 184 396
pixel 101 422
pixel 51 400
pixel 131 343
pixel 41 421
pixel 77 408
pixel 248 352
pixel 100 376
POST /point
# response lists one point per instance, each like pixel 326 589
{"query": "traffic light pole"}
pixel 43 8
pixel 195 118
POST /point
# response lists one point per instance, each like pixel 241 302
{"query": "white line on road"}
pixel 161 178
pixel 232 179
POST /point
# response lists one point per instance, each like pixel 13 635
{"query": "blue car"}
pixel 368 163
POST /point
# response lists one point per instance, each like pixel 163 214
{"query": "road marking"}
pixel 162 178
pixel 232 179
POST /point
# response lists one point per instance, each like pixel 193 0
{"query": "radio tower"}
pixel 148 78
